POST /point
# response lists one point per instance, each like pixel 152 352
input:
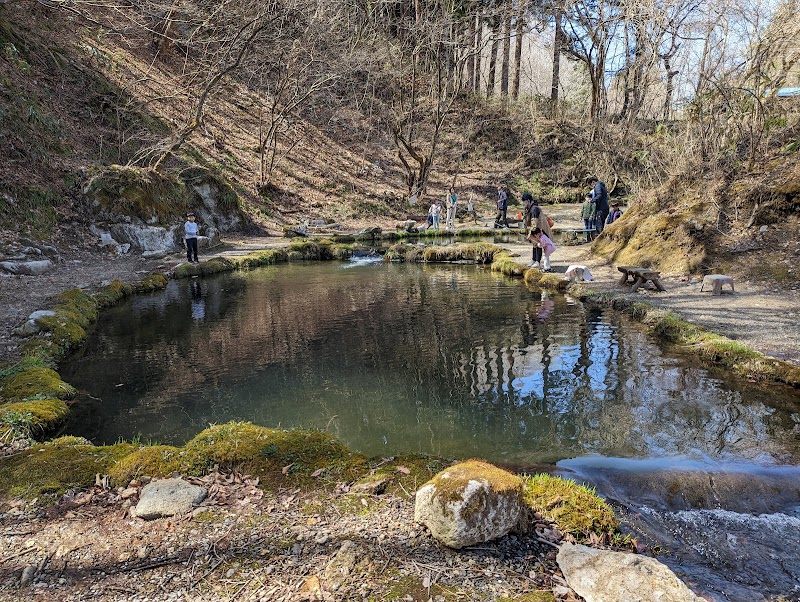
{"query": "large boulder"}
pixel 168 497
pixel 605 576
pixel 212 198
pixel 148 239
pixel 470 503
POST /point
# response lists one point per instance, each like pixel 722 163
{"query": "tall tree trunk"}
pixel 520 30
pixel 478 50
pixel 667 108
pixel 493 56
pixel 469 46
pixel 558 42
pixel 504 69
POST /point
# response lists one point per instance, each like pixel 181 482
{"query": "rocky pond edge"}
pixel 35 396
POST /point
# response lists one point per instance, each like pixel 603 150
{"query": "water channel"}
pixel 462 362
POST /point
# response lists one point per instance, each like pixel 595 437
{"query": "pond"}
pixel 449 360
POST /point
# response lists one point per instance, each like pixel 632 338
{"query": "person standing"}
pixel 502 208
pixel 435 212
pixel 587 214
pixel 600 195
pixel 527 205
pixel 190 232
pixel 452 203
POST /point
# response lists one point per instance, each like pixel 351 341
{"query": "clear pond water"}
pixel 458 361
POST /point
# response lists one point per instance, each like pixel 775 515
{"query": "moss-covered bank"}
pixel 298 458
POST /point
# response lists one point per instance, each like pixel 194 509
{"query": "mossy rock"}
pixel 32 418
pixel 505 264
pixel 52 468
pixel 139 192
pixel 35 381
pixel 479 252
pixel 262 450
pixel 110 295
pixel 471 502
pixel 576 509
pixel 150 283
pixel 152 461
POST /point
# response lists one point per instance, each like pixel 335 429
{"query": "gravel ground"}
pixel 248 545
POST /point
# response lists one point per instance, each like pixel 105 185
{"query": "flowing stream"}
pixel 458 361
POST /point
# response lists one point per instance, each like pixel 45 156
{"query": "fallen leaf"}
pixel 364 502
pixel 286 468
pixel 403 469
pixel 317 472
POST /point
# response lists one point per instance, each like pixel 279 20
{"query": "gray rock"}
pixel 294 231
pixel 341 565
pixel 147 238
pixel 27 329
pixel 605 576
pixel 368 234
pixel 27 268
pixel 28 573
pixel 167 498
pixel 31 327
pixel 41 313
pixel 375 485
pixel 469 503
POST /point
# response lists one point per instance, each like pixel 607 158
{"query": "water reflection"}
pixel 443 359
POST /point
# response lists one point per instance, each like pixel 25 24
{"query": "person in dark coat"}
pixel 600 195
pixel 615 213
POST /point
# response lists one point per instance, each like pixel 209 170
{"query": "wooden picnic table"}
pixel 639 277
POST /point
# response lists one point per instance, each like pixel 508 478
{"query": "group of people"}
pixel 451 204
pixel 595 212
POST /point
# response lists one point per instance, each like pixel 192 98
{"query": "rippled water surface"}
pixel 458 361
pixel 453 360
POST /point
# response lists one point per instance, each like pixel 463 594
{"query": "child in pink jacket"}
pixel 541 241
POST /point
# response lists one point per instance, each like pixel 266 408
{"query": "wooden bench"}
pixel 639 277
pixel 716 281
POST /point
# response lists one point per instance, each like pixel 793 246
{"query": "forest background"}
pixel 343 110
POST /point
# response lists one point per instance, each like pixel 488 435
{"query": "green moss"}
pixel 576 509
pixel 31 418
pixel 264 450
pixel 451 482
pixel 150 283
pixel 35 381
pixel 153 461
pixel 227 264
pixel 505 264
pixel 110 295
pixel 479 252
pixel 140 192
pixel 56 466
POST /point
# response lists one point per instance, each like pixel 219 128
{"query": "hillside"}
pixel 84 93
